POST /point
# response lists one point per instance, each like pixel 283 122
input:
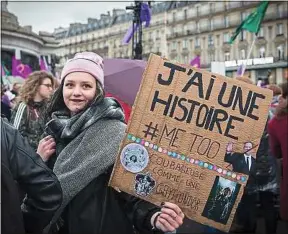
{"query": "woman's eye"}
pixel 68 85
pixel 86 86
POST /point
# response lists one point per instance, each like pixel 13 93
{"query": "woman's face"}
pixel 79 89
pixel 282 101
pixel 45 89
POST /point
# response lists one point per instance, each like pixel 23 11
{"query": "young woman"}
pixel 278 133
pixel 87 129
pixel 27 115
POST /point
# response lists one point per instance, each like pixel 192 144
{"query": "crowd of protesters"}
pixel 70 137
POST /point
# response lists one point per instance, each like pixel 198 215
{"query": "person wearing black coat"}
pixel 21 165
pixel 84 131
pixel 261 186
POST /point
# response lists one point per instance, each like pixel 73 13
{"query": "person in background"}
pixel 16 88
pixel 276 92
pixel 278 131
pixel 27 116
pixel 262 185
pixel 11 98
pixel 19 163
pixel 88 130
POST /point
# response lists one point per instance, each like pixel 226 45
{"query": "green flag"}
pixel 253 21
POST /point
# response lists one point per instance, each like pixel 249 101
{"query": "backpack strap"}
pixel 19 114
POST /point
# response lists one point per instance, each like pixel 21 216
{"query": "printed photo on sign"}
pixel 241 162
pixel 144 184
pixel 221 200
pixel 134 158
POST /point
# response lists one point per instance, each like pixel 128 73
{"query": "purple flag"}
pixel 20 69
pixel 43 64
pixel 145 16
pixel 196 62
pixel 240 69
pixel 129 34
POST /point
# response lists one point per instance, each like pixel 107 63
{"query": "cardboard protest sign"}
pixel 192 140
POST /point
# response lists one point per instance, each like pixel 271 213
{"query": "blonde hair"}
pixel 31 85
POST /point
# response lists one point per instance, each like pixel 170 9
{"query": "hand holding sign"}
pixel 169 219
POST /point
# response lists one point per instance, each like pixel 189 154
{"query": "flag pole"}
pixel 248 55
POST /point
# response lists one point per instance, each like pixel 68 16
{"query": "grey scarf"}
pixel 86 145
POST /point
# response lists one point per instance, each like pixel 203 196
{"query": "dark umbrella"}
pixel 123 78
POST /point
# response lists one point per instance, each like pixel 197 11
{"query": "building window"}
pixel 279 10
pixel 197 42
pixel 229 74
pixel 243 54
pixel 185 14
pixel 184 44
pixel 270 28
pixel 174 45
pixel 198 10
pixel 211 57
pixel 280 50
pixel 212 7
pixel 211 24
pixel 261 32
pixel 210 40
pixel 157 34
pixel 227 56
pixel 226 21
pixel 185 29
pixel 218 39
pixel 243 16
pixel 279 29
pixel 262 52
pixel 174 16
pixel 226 37
pixel 198 26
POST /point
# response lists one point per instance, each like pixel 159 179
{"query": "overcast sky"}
pixel 45 16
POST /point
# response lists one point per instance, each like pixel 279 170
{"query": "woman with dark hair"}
pixel 27 115
pixel 278 135
pixel 87 129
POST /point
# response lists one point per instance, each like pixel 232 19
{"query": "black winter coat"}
pixel 20 163
pixel 99 209
pixel 264 177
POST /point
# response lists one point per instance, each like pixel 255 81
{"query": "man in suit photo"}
pixel 241 162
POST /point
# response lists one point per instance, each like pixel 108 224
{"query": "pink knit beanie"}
pixel 88 62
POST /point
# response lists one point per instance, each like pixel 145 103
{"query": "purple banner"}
pixel 43 65
pixel 196 62
pixel 20 69
pixel 129 34
pixel 239 70
pixel 145 16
